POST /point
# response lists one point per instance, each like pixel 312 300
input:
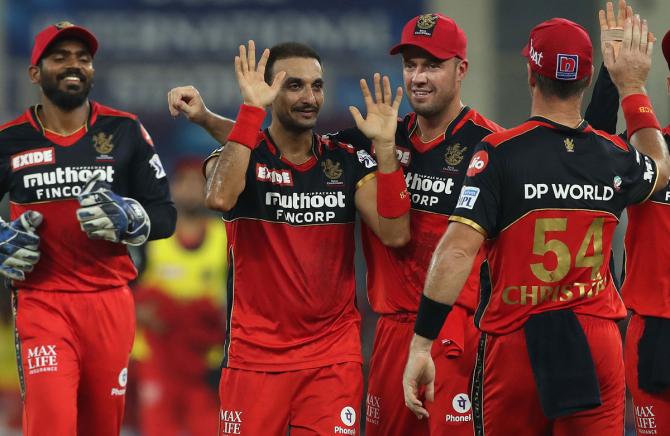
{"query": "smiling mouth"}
pixel 421 93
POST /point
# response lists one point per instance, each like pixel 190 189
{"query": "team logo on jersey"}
pixel 454 154
pixel 103 143
pixel 32 158
pixel 332 170
pixel 425 25
pixel 478 163
pixel 617 183
pixel 157 165
pixel 569 145
pixel 567 66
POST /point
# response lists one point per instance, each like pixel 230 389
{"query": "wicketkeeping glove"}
pixel 106 215
pixel 19 245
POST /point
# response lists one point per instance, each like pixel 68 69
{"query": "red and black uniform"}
pixel 74 312
pixel 549 197
pixel 293 337
pixel 434 172
pixel 646 288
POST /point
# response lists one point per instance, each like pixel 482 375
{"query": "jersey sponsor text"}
pixel 562 191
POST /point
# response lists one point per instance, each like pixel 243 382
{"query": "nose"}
pixel 419 75
pixel 308 96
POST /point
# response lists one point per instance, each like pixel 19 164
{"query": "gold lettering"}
pixel 541 246
pixel 566 293
pixel 525 295
pixel 506 297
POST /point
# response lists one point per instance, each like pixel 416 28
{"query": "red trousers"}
pixel 450 413
pixel 170 405
pixel 505 397
pixel 318 401
pixel 74 349
pixel 652 411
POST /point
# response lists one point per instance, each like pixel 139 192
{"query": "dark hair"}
pixel 287 50
pixel 560 88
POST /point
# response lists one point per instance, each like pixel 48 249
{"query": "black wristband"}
pixel 431 317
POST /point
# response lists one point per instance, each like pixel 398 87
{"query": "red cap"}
pixel 60 30
pixel 666 47
pixel 559 49
pixel 438 34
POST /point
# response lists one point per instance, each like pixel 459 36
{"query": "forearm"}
pixel 448 272
pixel 217 126
pixel 603 108
pixel 163 218
pixel 227 177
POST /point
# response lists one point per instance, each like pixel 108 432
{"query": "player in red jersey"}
pixel 547 195
pixel 293 336
pixel 84 181
pixel 646 288
pixel 434 146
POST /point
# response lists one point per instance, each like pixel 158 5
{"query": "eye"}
pixel 294 86
pixel 318 86
pixel 434 65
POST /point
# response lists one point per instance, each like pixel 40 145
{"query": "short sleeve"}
pixel 638 177
pixel 479 202
pixel 149 184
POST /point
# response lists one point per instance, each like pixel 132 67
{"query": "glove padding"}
pixel 19 245
pixel 106 215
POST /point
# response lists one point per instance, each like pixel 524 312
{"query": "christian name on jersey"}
pixel 63 182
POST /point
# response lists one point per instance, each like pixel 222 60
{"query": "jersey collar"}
pixel 556 126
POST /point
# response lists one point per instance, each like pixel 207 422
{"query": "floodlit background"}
pixel 150 46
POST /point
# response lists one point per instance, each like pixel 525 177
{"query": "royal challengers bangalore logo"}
pixel 331 169
pixel 103 143
pixel 569 145
pixel 454 154
pixel 425 25
pixel 63 24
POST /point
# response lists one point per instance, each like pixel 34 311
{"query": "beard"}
pixel 71 98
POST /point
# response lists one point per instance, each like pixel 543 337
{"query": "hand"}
pixel 187 100
pixel 19 245
pixel 419 371
pixel 611 28
pixel 630 67
pixel 106 215
pixel 382 113
pixel 251 77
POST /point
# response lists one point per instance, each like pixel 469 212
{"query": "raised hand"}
pixel 611 26
pixel 382 113
pixel 187 100
pixel 630 67
pixel 250 77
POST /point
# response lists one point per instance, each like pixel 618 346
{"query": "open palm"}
pixel 251 77
pixel 382 112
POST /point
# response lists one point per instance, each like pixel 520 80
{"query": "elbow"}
pixel 220 202
pixel 396 240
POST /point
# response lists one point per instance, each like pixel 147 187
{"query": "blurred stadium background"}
pixel 150 46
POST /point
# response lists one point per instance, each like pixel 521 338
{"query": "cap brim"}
pixel 399 47
pixel 80 33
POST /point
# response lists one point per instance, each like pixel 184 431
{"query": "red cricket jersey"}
pixel 549 197
pixel 44 171
pixel 291 288
pixel 646 289
pixel 434 173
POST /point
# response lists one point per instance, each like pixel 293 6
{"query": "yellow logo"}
pixel 569 145
pixel 63 24
pixel 331 169
pixel 426 21
pixel 454 154
pixel 103 143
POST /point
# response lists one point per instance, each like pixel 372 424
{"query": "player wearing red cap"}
pixel 646 288
pixel 434 146
pixel 94 176
pixel 547 195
